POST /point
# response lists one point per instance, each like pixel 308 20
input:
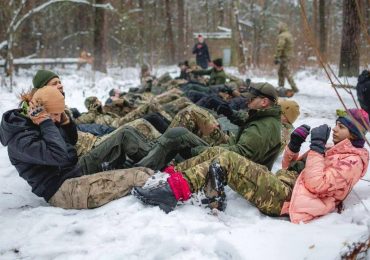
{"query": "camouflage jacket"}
pixel 284 47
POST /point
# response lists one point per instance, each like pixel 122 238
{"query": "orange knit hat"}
pixel 51 98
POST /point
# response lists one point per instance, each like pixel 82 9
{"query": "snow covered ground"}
pixel 127 229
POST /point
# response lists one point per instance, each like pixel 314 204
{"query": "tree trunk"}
pixel 141 32
pixel 323 33
pixel 181 53
pixel 221 6
pixel 349 54
pixel 100 39
pixel 239 37
pixel 314 19
pixel 170 41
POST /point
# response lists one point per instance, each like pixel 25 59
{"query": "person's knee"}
pixel 175 132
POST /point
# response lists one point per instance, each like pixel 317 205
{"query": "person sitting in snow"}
pixel 41 147
pixel 307 187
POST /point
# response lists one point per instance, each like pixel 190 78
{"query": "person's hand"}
pixel 37 113
pixel 276 61
pixel 64 119
pixel 319 137
pixel 297 137
pixel 199 46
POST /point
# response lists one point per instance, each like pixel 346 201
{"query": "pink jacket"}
pixel 325 180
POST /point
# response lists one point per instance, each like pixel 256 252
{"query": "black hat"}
pixel 218 62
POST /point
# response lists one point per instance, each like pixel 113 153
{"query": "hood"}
pixel 12 123
pixel 282 27
pixel 364 76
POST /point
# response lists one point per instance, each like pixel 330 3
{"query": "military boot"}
pixel 214 188
pixel 160 195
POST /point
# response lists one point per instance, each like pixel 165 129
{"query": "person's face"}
pixel 200 39
pixel 117 92
pixel 55 82
pixel 258 103
pixel 56 117
pixel 340 132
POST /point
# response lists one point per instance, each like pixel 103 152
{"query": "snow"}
pixel 127 229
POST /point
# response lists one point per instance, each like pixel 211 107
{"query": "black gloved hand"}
pixel 276 61
pixel 224 110
pixel 319 137
pixel 297 137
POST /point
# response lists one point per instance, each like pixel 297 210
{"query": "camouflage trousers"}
pixel 175 106
pixel 284 73
pixel 143 110
pixel 92 191
pixel 267 191
pixel 87 141
pixel 201 123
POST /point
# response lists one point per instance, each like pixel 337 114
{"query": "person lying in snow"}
pixel 307 186
pixel 41 147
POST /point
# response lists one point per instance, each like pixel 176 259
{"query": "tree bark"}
pixel 239 37
pixel 322 28
pixel 181 30
pixel 349 54
pixel 170 40
pixel 100 39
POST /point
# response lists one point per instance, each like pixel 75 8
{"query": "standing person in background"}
pixel 283 54
pixel 200 49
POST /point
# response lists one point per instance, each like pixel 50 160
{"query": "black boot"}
pixel 160 195
pixel 214 188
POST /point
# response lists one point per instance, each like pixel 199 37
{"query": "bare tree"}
pixel 100 39
pixel 322 27
pixel 180 30
pixel 169 33
pixel 349 54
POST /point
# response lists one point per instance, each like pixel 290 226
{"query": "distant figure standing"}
pixel 200 49
pixel 283 54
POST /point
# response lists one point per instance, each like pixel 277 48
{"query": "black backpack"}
pixel 363 90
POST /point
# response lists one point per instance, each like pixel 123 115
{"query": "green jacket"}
pixel 216 77
pixel 284 47
pixel 259 139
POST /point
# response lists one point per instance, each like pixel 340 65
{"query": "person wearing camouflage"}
pixel 217 73
pixel 95 114
pixel 283 55
pixel 201 123
pixel 258 138
pixel 253 181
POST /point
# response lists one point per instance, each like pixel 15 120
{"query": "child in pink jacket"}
pixel 329 174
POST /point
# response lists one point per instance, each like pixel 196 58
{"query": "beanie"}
pixel 112 92
pixel 290 109
pixel 42 77
pixel 357 122
pixel 51 98
pixel 218 62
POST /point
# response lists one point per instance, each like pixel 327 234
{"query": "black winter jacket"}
pixel 363 90
pixel 43 155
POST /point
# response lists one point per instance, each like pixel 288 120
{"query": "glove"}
pixel 37 113
pixel 298 137
pixel 224 110
pixel 64 119
pixel 319 137
pixel 276 61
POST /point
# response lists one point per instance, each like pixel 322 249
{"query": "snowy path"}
pixel 127 229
